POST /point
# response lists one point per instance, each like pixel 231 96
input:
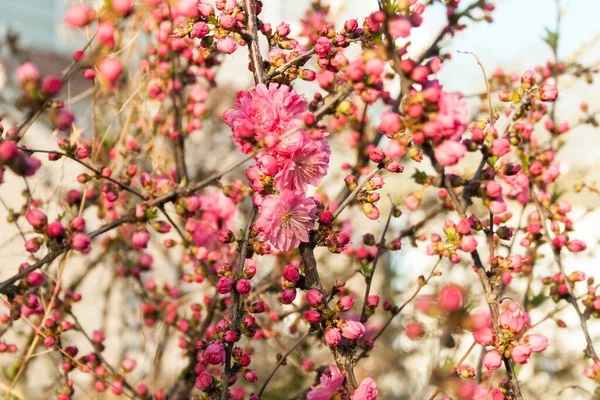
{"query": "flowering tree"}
pixel 269 282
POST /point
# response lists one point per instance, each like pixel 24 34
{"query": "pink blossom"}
pixel 27 72
pixel 333 336
pixel 123 7
pixel 575 246
pixel 520 354
pixel 500 147
pixel 264 113
pixel 400 27
pixel 497 206
pixel 484 336
pixel 331 381
pixel 204 380
pixel 306 164
pixel 547 92
pixel 227 45
pixel 451 119
pixel 390 123
pixel 285 220
pixel 468 243
pixel 493 188
pixel 352 329
pixel 492 360
pixel 451 298
pixel 78 16
pixel 36 218
pixel 449 152
pixel 367 390
pixel 140 240
pixel 536 342
pixel 110 69
pixel 314 297
pixel 81 242
pixel 215 353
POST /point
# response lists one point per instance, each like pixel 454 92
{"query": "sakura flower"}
pixel 451 119
pixel 367 390
pixel 306 165
pixel 331 381
pixel 285 220
pixel 264 112
pixel 449 152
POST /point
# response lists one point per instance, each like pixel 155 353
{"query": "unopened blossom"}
pixel 78 16
pixel 215 353
pixel 264 113
pixel 352 329
pixel 331 381
pixel 367 390
pixel 451 298
pixel 449 152
pixel 492 360
pixel 286 220
pixel 520 354
pixel 536 342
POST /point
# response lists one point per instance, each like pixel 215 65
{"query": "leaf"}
pixel 551 38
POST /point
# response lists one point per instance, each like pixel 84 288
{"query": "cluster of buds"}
pixel 544 92
pixel 457 237
pixel 558 284
pixel 512 343
pixel 367 195
pixel 20 162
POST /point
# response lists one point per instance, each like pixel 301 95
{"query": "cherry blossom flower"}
pixel 285 220
pixel 331 381
pixel 264 112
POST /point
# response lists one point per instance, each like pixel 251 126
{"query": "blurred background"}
pixel 33 30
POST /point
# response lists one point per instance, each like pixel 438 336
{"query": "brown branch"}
pixel 237 303
pixel 280 362
pixel 91 168
pixel 369 276
pixel 590 350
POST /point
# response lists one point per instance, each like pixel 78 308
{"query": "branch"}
pixel 369 277
pixel 281 361
pixel 591 352
pixel 237 302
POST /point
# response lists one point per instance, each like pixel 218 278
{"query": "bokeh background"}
pixel 33 30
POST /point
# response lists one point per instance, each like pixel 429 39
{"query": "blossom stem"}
pixel 369 276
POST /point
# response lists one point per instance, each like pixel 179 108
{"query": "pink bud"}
pixel 204 380
pixel 520 354
pixel 345 303
pixel 575 246
pixel 110 69
pixel 81 242
pixel 27 72
pixel 140 240
pixel 243 287
pixel 123 7
pixel 492 360
pixel 352 329
pixel 288 295
pixel 468 243
pixel 312 316
pixel 227 45
pixel 224 285
pixel 36 218
pixel 78 16
pixel 51 86
pixel 314 297
pixel 537 342
pixel 451 298
pixel 333 336
pixel 291 273
pixel 55 229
